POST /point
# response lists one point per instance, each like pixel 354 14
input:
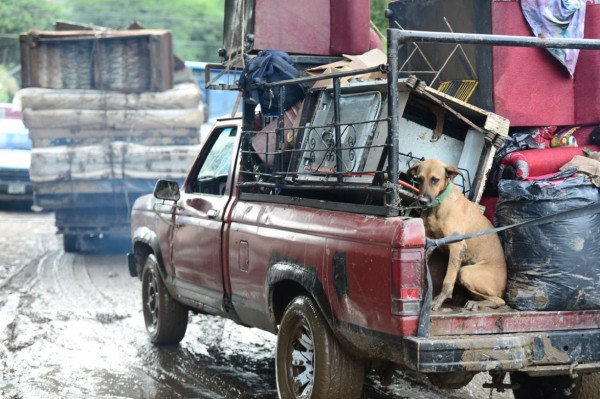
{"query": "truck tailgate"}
pixel 559 342
pixel 463 322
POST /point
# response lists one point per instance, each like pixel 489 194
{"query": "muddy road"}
pixel 71 326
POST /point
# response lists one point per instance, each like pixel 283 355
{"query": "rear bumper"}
pixel 7 193
pixel 560 352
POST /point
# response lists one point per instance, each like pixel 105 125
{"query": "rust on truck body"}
pixel 461 322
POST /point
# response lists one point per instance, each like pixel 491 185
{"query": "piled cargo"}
pixel 104 133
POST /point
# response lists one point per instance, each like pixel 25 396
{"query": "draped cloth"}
pixel 556 19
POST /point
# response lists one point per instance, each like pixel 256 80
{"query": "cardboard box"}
pixel 352 62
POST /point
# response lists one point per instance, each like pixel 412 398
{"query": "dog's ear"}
pixel 412 171
pixel 452 172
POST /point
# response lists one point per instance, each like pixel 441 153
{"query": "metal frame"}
pixel 397 37
pixel 279 170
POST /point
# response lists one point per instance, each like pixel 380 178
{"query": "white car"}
pixel 15 159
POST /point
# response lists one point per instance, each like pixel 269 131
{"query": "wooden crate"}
pixel 132 61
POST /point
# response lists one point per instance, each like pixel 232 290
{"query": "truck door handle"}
pixel 212 213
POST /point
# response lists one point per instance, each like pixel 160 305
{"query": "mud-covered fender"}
pixel 302 276
pixel 148 237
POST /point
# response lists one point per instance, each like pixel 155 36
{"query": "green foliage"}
pixel 378 8
pixel 196 25
pixel 8 85
pixel 17 16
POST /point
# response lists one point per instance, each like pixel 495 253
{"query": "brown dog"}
pixel 478 263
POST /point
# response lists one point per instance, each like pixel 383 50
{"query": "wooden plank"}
pixel 161 51
pixel 52 36
pixel 26 60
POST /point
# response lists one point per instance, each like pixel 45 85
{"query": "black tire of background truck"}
pixel 166 319
pixel 587 386
pixel 70 243
pixel 304 343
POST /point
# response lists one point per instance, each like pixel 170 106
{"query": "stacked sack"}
pixel 82 136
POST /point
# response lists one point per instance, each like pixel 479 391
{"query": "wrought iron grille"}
pixel 342 135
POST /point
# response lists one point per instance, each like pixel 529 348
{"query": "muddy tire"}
pixel 586 387
pixel 310 362
pixel 70 243
pixel 166 319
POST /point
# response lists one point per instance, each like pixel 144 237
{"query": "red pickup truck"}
pixel 307 238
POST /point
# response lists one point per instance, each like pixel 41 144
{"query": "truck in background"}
pixel 217 103
pixel 107 117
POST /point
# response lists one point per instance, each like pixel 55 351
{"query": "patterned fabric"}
pixel 557 18
pixel 514 166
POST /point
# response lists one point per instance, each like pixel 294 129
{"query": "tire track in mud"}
pixel 77 346
pixel 72 286
pixel 93 297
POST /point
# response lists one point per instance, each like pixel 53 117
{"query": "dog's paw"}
pixel 438 302
pixel 480 305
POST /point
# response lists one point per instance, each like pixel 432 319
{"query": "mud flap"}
pixel 131 265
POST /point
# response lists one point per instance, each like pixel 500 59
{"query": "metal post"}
pixel 393 111
pixel 492 40
pixel 339 164
pixel 279 161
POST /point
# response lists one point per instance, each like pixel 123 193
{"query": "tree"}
pixel 8 85
pixel 196 25
pixel 16 17
pixel 378 14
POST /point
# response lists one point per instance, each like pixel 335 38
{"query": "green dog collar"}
pixel 438 200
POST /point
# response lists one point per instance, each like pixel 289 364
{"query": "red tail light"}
pixel 407 281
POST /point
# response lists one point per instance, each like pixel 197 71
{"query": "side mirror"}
pixel 167 190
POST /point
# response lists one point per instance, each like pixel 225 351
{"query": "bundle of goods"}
pixel 554 266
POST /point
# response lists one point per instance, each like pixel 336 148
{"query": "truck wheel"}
pixel 310 362
pixel 166 319
pixel 553 387
pixel 70 243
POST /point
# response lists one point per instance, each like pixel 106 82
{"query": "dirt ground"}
pixel 71 326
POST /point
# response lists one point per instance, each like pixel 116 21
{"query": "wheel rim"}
pixel 151 301
pixel 301 365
